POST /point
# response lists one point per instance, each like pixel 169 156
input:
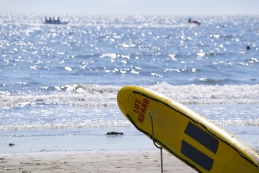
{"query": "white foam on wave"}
pixel 96 106
pixel 61 117
pixel 67 125
pixel 210 94
pixel 240 122
pixel 105 95
pixel 73 117
pixel 111 123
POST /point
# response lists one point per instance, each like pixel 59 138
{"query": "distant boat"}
pixel 54 21
pixel 193 22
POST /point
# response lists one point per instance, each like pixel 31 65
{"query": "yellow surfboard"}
pixel 186 134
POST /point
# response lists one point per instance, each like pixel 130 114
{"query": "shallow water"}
pixel 88 139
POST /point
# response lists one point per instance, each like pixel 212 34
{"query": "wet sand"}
pixel 91 161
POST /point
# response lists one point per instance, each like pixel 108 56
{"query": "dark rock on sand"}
pixel 114 133
pixel 11 144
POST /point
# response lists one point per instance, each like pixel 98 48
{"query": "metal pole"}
pixel 153 138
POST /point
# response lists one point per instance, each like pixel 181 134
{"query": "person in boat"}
pixel 56 19
pixel 195 21
pixel 49 19
pixel 46 20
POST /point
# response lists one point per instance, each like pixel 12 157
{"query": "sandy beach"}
pixel 88 151
pixel 91 161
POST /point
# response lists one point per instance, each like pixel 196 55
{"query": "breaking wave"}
pixel 105 95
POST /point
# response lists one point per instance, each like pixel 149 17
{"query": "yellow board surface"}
pixel 186 134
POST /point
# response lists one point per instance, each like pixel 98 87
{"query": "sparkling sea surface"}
pixel 62 80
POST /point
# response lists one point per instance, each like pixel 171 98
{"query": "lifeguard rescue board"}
pixel 186 134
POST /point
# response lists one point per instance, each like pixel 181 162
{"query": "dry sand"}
pixel 91 161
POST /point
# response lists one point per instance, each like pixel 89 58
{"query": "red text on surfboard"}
pixel 140 108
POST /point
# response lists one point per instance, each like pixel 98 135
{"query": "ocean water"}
pixel 59 80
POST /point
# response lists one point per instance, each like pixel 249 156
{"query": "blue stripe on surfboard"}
pixel 202 137
pixel 197 156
